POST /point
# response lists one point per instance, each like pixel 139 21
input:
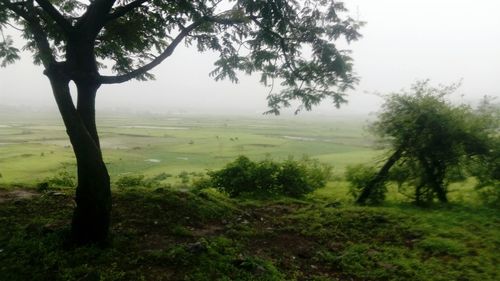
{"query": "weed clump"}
pixel 130 180
pixel 62 179
pixel 141 180
pixel 244 177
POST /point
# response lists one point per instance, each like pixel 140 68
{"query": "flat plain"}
pixel 35 147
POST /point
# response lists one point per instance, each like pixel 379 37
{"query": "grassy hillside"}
pixel 180 235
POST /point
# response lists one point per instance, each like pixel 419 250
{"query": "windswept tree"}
pixel 431 143
pixel 291 42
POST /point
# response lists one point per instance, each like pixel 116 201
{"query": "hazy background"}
pixel 404 40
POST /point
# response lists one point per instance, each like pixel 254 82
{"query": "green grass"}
pixel 36 148
pixel 166 234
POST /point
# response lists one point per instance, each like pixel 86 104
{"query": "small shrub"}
pixel 265 178
pixel 358 177
pixel 130 180
pixel 141 180
pixel 184 176
pixel 156 181
pixel 236 178
pixel 293 179
pixel 490 195
pixel 486 171
pixel 201 182
pixel 244 177
pixel 161 177
pixel 62 179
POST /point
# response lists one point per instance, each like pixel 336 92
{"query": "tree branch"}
pixel 40 37
pixel 55 15
pixel 94 18
pixel 147 67
pixel 123 10
pixel 170 49
pixel 289 62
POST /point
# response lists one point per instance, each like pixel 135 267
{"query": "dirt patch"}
pixel 207 230
pixel 18 194
pixel 290 245
pixel 288 250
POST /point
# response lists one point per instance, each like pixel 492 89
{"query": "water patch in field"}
pixel 5 126
pixel 152 160
pixel 154 127
pixel 299 138
pixel 262 126
pixel 182 158
pixel 262 145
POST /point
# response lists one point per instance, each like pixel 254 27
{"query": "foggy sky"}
pixel 403 40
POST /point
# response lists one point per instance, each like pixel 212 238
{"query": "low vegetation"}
pixel 244 177
pixel 169 234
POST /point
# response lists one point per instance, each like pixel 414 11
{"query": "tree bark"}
pixel 440 191
pixel 434 178
pixel 418 194
pixel 86 108
pixel 91 217
pixel 379 177
pixel 435 175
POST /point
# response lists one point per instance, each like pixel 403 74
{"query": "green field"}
pixel 178 233
pixel 35 147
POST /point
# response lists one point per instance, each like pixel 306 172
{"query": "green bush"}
pixel 141 180
pixel 130 180
pixel 201 183
pixel 486 170
pixel 161 177
pixel 244 177
pixel 293 180
pixel 62 179
pixel 490 194
pixel 184 176
pixel 358 176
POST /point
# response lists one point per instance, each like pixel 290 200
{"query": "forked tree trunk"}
pixel 91 217
pixel 435 177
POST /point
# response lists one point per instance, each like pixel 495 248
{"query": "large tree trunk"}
pixel 91 217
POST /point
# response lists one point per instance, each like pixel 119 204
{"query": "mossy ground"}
pixel 169 234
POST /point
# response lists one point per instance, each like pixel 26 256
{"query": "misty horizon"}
pixel 455 41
